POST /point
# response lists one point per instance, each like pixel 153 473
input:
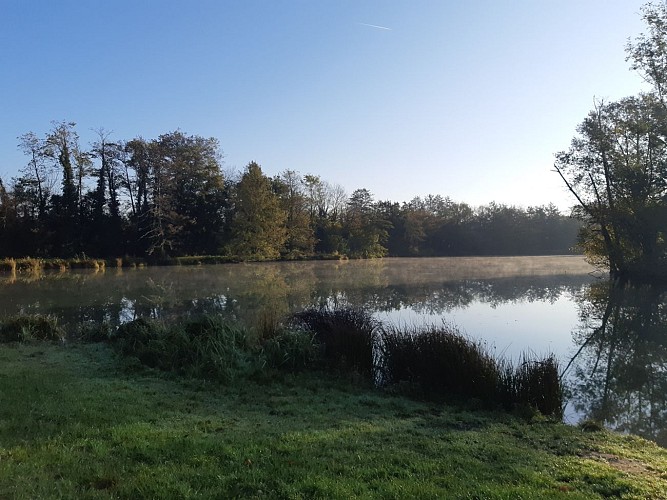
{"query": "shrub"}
pixel 92 331
pixel 30 327
pixel 347 335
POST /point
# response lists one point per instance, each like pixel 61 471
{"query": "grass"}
pixel 76 425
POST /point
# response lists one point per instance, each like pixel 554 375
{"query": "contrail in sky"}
pixel 375 26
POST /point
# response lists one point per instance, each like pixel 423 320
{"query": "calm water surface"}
pixel 612 343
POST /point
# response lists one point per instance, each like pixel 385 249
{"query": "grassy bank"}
pixel 79 422
pixel 433 362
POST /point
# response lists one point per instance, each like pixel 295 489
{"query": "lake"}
pixel 611 342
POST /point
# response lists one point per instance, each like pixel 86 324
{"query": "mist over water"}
pixel 613 343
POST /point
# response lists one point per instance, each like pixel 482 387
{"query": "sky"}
pixel 466 99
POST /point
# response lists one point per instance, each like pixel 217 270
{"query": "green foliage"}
pixel 290 349
pixel 30 327
pixel 258 230
pixel 207 347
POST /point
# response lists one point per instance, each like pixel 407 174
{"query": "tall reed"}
pixel 440 360
pixel 8 265
pixel 21 328
pixel 207 347
pixel 534 383
pixel 348 336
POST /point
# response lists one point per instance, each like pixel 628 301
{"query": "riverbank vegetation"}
pixel 432 362
pixel 168 198
pixel 80 422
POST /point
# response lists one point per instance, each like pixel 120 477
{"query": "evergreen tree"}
pixel 258 227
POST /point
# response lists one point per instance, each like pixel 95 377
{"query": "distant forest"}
pixel 169 197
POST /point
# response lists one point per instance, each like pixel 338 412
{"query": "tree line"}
pixel 169 197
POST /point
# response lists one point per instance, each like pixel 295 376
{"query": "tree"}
pixel 648 54
pixel 179 193
pixel 300 234
pixel 258 226
pixel 366 228
pixel 616 167
pixel 37 171
pixel 105 234
pixel 62 146
pixel 7 220
pixel 617 170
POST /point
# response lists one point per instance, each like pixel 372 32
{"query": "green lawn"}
pixel 77 422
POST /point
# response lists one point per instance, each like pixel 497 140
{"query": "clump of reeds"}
pixel 59 264
pixel 290 349
pixel 86 263
pixel 29 265
pixel 348 336
pixel 438 360
pixel 25 327
pixel 533 383
pixel 207 347
pixel 115 262
pixel 8 265
pixel 197 260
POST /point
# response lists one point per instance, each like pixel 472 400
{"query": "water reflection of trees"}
pixel 441 298
pixel 619 374
pixel 245 292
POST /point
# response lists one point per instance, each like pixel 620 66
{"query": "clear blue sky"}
pixel 464 99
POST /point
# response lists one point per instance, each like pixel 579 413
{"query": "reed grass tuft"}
pixel 206 347
pixel 8 265
pixel 348 336
pixel 440 361
pixel 534 383
pixel 21 328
